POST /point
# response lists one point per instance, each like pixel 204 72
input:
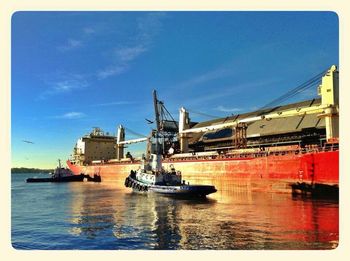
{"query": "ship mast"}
pixel 156 109
pixel 166 126
pixel 156 159
pixel 156 112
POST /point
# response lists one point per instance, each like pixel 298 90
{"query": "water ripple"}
pixel 108 216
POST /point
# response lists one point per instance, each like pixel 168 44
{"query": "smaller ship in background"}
pixel 65 175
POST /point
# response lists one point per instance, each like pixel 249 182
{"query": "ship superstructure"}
pixel 94 147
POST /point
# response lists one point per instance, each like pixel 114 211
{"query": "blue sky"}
pixel 72 71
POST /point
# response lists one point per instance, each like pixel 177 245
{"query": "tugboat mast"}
pixel 59 168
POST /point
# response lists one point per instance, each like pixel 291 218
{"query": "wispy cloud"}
pixel 148 26
pixel 226 109
pixel 70 45
pixel 129 53
pixel 89 30
pixel 123 56
pixel 212 96
pixel 216 94
pixel 71 115
pixel 111 71
pixel 75 43
pixel 112 103
pixel 63 83
pixel 204 78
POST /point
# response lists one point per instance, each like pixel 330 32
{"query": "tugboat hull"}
pixel 184 191
pixel 176 191
pixel 73 178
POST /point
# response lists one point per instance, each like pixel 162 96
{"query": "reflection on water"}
pixel 109 216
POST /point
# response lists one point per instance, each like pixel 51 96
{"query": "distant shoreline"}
pixel 30 170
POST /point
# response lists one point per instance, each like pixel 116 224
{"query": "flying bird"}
pixel 28 141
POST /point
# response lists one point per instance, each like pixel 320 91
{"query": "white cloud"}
pixel 128 54
pixel 204 78
pixel 68 85
pixel 71 115
pixel 217 93
pixel 124 56
pixel 112 103
pixel 148 26
pixel 70 45
pixel 110 71
pixel 74 43
pixel 89 30
pixel 63 83
pixel 225 109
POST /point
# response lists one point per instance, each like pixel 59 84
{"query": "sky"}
pixel 72 71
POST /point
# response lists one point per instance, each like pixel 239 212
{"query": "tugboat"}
pixel 59 175
pixel 152 177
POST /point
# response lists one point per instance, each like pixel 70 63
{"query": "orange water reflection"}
pixel 232 218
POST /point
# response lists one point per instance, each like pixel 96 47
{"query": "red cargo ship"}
pixel 290 148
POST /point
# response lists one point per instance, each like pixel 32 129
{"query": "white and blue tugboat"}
pixel 152 177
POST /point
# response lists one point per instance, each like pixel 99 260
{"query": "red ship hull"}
pixel 279 172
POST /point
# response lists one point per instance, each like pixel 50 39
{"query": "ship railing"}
pixel 257 154
pixel 331 147
pixel 316 149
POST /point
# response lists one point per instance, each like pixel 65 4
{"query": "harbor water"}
pixel 87 215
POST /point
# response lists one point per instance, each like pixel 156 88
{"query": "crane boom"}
pixel 132 141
